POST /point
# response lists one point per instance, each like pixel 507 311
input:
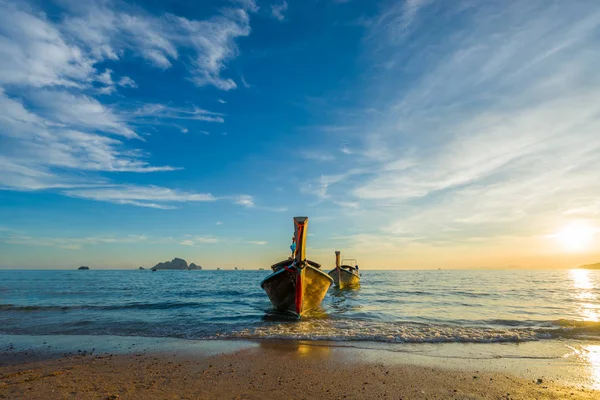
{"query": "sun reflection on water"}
pixel 591 354
pixel 584 293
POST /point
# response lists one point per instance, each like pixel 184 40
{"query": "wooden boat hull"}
pixel 344 278
pixel 297 291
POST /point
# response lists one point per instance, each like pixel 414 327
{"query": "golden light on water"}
pixel 576 236
pixel 591 354
pixel 584 292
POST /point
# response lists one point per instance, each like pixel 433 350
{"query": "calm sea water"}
pixel 391 306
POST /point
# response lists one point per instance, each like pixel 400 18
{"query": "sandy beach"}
pixel 252 370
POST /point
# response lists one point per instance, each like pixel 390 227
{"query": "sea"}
pixel 434 306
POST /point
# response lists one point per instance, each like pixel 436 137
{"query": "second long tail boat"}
pixel 297 285
pixel 345 274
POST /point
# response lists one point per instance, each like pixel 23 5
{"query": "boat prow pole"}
pixel 300 228
pixel 339 270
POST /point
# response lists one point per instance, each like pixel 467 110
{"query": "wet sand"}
pixel 252 370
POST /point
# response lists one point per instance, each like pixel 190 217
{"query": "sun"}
pixel 576 236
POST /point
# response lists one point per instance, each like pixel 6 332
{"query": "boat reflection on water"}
pixel 299 349
pixel 276 315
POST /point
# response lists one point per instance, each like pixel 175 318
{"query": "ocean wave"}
pixel 130 306
pixel 326 330
pixel 322 330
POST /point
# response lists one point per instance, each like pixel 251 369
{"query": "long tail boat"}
pixel 297 285
pixel 345 275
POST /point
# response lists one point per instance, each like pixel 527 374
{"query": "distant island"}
pixel 177 264
pixel 83 268
pixel 141 268
pixel 591 266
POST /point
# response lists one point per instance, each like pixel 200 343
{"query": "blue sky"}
pixel 414 134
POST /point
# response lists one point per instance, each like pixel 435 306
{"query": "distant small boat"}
pixel 153 270
pixel 236 268
pixel 345 274
pixel 297 285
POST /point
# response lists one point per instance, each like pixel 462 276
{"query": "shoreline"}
pixel 141 367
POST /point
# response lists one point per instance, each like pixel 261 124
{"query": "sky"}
pixel 414 134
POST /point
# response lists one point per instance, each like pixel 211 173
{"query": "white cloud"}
pixel 244 200
pixel 143 196
pixel 34 52
pixel 257 242
pixel 494 134
pixel 317 155
pixel 396 20
pixel 199 240
pixel 150 196
pixel 127 82
pixel 45 152
pixel 249 5
pixel 219 223
pixel 206 239
pixel 214 42
pixel 167 112
pixel 245 83
pixel 41 53
pixel 278 10
pixel 70 243
pixel 79 111
pixel 55 135
pixel 320 186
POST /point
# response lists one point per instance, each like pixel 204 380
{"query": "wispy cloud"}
pixel 257 242
pixel 245 83
pixel 199 240
pixel 278 10
pixel 166 112
pixel 317 155
pixel 108 28
pixel 56 135
pixel 72 243
pixel 45 150
pixel 244 200
pixel 143 196
pixel 493 135
pixel 79 111
pixel 396 19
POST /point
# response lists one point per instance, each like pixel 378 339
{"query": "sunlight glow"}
pixel 584 293
pixel 592 354
pixel 576 236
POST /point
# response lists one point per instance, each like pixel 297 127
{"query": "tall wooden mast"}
pixel 300 228
pixel 337 267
